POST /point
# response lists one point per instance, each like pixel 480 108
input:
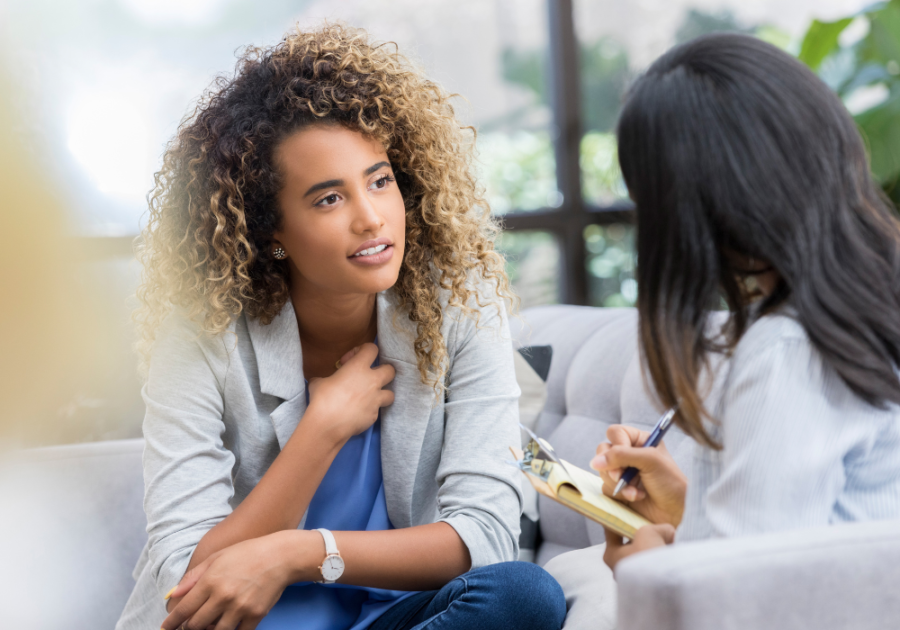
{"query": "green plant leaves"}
pixel 821 40
pixel 880 127
pixel 872 61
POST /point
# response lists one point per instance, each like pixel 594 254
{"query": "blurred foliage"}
pixel 604 78
pixel 533 265
pixel 518 170
pixel 527 68
pixel 859 57
pixel 601 178
pixel 521 176
pixel 697 23
pixel 610 264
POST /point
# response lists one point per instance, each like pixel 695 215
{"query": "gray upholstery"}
pixel 71 530
pixel 72 524
pixel 594 381
pixel 841 577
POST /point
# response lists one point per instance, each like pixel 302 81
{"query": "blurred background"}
pixel 92 90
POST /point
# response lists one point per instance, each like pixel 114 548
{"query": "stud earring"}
pixel 279 253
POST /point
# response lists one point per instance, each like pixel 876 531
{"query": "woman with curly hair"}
pixel 330 390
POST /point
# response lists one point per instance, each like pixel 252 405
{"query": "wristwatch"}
pixel 332 566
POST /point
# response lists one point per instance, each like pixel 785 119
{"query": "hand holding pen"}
pixel 660 490
pixel 656 436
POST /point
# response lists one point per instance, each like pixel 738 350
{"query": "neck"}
pixel 332 323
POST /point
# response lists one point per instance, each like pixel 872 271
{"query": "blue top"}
pixel 350 498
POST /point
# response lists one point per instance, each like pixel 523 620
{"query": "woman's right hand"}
pixel 347 402
pixel 659 494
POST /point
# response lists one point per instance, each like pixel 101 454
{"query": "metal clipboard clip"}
pixel 538 456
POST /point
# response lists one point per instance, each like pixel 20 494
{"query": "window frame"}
pixel 567 222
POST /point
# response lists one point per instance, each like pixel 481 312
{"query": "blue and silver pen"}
pixel 656 436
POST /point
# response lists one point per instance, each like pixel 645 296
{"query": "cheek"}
pixel 396 216
pixel 312 241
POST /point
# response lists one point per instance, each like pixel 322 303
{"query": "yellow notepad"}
pixel 578 490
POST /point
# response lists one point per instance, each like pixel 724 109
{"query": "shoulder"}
pixel 774 362
pixel 772 337
pixel 181 338
pixel 483 317
pixel 462 316
pixel 478 305
pixel 777 360
pixel 480 302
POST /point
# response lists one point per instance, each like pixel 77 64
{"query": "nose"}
pixel 366 217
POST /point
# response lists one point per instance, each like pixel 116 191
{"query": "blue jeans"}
pixel 515 595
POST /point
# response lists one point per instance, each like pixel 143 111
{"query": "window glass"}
pixel 533 265
pixel 618 40
pixel 610 264
pixel 109 80
pixel 493 54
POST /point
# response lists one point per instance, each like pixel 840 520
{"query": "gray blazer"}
pixel 219 410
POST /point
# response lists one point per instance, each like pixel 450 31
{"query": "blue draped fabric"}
pixel 350 498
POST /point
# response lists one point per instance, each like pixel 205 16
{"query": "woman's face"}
pixel 343 219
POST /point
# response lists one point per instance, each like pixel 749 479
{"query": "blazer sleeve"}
pixel 187 467
pixel 479 493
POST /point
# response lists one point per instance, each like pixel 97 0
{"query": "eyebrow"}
pixel 375 167
pixel 331 183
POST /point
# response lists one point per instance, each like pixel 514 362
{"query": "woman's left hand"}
pixel 236 587
pixel 647 537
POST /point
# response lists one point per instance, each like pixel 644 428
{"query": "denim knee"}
pixel 522 595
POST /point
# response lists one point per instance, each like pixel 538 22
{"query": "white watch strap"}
pixel 330 543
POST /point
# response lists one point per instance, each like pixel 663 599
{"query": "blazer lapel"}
pixel 403 423
pixel 279 359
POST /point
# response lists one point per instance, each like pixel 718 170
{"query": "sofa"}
pixel 72 524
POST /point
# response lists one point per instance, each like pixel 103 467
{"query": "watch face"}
pixel 333 567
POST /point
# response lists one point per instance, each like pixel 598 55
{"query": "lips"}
pixel 369 252
pixel 371 247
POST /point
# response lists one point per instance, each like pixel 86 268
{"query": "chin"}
pixel 378 282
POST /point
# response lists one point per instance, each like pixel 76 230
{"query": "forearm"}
pixel 282 496
pixel 414 558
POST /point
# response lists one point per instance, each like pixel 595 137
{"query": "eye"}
pixel 330 200
pixel 381 182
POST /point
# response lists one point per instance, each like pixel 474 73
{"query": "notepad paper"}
pixel 582 491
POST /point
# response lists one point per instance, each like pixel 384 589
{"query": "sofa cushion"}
pixel 78 530
pixel 843 576
pixel 532 364
pixel 594 381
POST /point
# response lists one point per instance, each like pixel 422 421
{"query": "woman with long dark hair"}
pixel 752 186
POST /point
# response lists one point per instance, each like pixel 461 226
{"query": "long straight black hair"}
pixel 730 146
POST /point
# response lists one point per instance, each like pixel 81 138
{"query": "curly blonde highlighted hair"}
pixel 213 211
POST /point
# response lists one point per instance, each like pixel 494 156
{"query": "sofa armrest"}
pixel 844 576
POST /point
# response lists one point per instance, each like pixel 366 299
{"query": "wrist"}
pixel 322 422
pixel 303 552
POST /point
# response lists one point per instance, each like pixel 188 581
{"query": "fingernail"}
pixel 168 595
pixel 614 475
pixel 598 462
pixel 629 493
